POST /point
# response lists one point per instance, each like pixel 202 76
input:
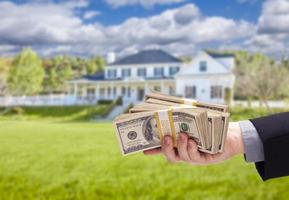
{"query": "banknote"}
pixel 145 130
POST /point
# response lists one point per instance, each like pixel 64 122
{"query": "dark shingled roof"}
pixel 146 57
pixel 220 55
pixel 95 77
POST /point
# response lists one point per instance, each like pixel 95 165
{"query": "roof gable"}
pixel 147 57
pixel 213 66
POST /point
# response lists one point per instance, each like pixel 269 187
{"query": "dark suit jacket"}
pixel 274 133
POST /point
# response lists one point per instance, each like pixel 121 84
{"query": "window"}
pixel 71 90
pixel 172 90
pixel 128 92
pixel 216 92
pixel 174 70
pixel 203 66
pixel 101 92
pixel 141 72
pixel 114 91
pixel 159 71
pixel 108 91
pixel 125 73
pixel 111 73
pixel 191 91
pixel 123 91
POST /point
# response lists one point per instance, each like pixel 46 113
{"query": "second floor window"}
pixel 125 73
pixel 111 73
pixel 141 72
pixel 203 66
pixel 159 71
pixel 174 70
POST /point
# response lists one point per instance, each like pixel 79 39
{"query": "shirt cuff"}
pixel 253 145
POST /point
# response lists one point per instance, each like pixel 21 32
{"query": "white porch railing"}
pixel 46 100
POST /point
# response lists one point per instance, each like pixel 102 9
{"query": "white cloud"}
pixel 56 28
pixel 274 17
pixel 144 3
pixel 90 14
pixel 272 36
pixel 35 24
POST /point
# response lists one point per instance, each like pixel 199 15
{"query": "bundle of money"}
pixel 147 123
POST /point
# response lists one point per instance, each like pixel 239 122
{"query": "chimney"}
pixel 110 58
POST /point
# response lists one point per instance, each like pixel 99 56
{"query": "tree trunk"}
pixel 249 101
pixel 266 103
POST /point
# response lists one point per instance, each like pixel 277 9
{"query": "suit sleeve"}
pixel 274 133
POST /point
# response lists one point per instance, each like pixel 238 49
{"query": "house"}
pixel 208 77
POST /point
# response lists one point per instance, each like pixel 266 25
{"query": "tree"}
pixel 26 74
pixel 58 73
pixel 263 78
pixel 3 77
pixel 95 64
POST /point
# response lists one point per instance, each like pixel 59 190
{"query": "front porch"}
pixel 131 91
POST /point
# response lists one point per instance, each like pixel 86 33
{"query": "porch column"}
pixel 126 91
pixel 97 92
pixel 75 89
pixel 162 86
pixel 111 90
pixel 146 88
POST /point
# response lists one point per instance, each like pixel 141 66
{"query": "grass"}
pixel 81 160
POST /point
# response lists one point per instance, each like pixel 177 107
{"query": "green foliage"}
pixel 104 102
pixel 108 109
pixel 95 64
pixel 228 96
pixel 119 101
pixel 16 111
pixel 263 78
pixel 128 108
pixel 58 73
pixel 3 77
pixel 26 75
pixel 55 113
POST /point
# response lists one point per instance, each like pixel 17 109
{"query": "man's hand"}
pixel 187 149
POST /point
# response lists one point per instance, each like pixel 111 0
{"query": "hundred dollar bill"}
pixel 145 130
pixel 155 98
pixel 214 120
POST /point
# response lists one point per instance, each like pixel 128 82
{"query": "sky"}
pixel 181 27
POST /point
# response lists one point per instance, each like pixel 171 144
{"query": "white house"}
pixel 208 77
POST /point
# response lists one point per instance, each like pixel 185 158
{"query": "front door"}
pixel 140 94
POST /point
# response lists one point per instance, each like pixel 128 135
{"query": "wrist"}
pixel 236 138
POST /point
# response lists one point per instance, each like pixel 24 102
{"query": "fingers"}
pixel 193 152
pixel 182 144
pixel 168 149
pixel 153 151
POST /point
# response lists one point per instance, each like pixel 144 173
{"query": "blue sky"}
pixel 111 15
pixel 182 27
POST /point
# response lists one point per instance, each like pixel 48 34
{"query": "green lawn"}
pixel 81 160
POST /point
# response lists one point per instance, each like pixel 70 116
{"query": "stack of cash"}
pixel 147 123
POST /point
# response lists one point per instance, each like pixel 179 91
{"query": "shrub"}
pixel 17 111
pixel 104 102
pixel 108 109
pixel 119 101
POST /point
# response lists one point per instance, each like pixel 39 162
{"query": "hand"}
pixel 187 149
